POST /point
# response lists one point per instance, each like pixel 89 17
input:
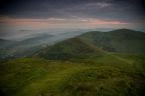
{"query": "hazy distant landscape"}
pixel 72 47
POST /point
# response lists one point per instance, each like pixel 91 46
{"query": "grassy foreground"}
pixel 107 75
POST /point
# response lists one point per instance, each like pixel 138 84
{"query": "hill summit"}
pixel 121 41
pixel 71 48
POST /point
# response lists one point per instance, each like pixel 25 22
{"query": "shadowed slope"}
pixel 71 48
pixel 122 41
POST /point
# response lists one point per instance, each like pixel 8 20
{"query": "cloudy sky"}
pixel 22 16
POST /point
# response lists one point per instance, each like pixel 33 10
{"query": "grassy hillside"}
pixel 94 44
pixel 108 75
pixel 122 41
pixel 71 48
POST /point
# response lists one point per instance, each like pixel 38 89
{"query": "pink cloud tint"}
pixel 59 22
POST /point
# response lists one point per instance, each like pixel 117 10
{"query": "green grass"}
pixel 68 49
pixel 122 41
pixel 107 75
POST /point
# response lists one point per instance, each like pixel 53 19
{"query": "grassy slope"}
pixel 108 75
pixel 71 48
pixel 93 44
pixel 123 40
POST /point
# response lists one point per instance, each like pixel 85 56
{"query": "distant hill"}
pixel 36 40
pixel 62 47
pixel 71 48
pixel 4 43
pixel 122 40
pixel 93 43
pixel 10 49
pixel 2 40
pixel 4 46
pixel 27 47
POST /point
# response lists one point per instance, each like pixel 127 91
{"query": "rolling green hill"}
pixel 122 41
pixel 71 48
pixel 93 44
pixel 31 44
